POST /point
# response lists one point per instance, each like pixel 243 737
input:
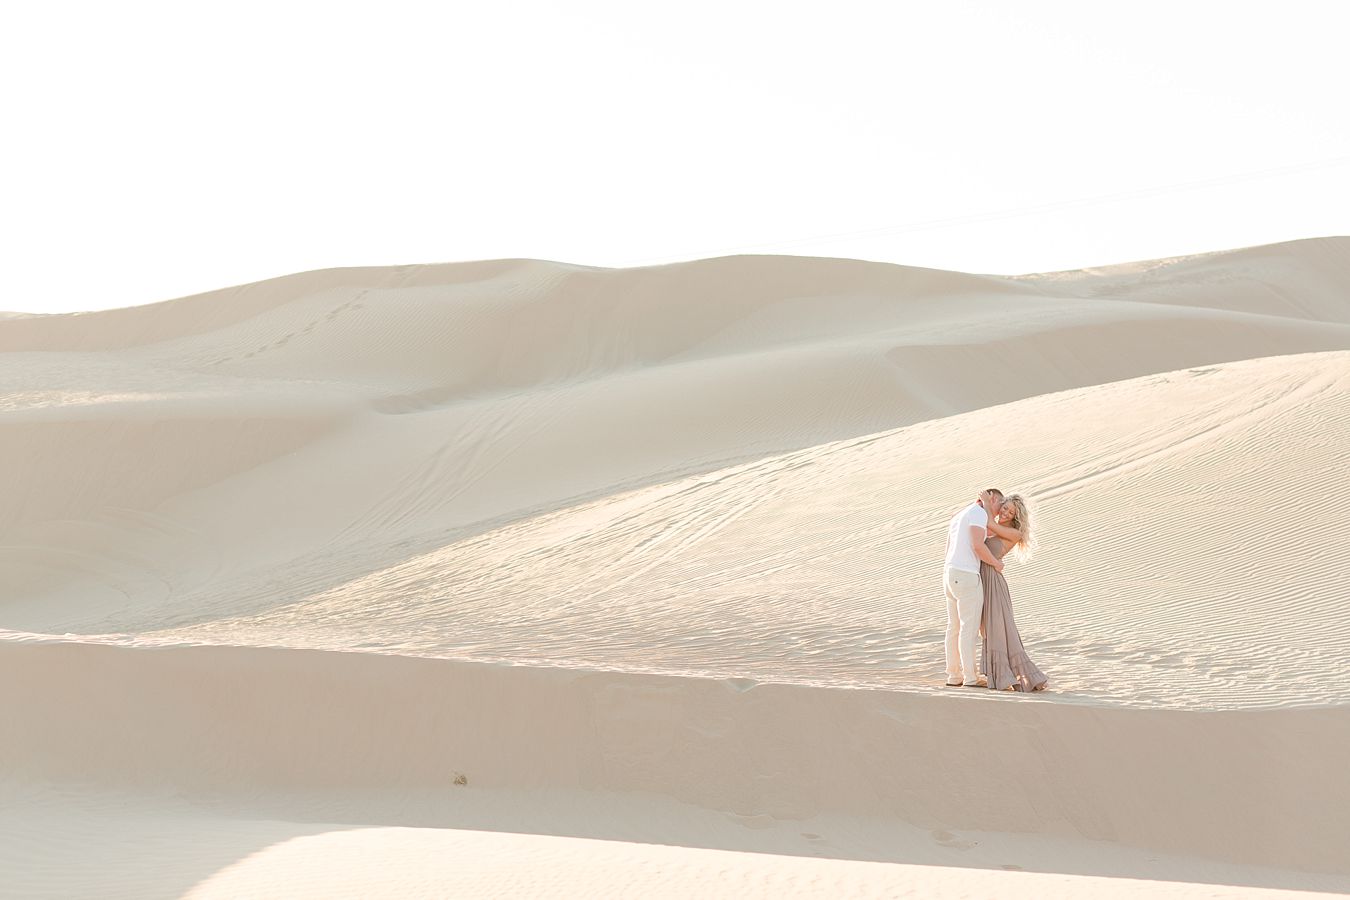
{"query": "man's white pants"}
pixel 965 602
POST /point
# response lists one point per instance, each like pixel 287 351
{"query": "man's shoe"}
pixel 954 682
pixel 979 682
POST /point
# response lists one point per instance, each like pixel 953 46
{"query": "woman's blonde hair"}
pixel 1021 520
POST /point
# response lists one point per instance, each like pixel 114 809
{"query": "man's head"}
pixel 995 500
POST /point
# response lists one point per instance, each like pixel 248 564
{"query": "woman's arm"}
pixel 1007 532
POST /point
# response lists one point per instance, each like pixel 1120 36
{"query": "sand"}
pixel 520 578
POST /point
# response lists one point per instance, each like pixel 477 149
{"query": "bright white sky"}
pixel 153 150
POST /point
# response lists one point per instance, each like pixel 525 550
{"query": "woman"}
pixel 1003 659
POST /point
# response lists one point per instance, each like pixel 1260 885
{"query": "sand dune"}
pixel 818 566
pixel 651 557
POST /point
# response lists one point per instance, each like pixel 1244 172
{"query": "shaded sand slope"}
pixel 365 738
pixel 415 406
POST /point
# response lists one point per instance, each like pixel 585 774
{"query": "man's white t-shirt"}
pixel 959 552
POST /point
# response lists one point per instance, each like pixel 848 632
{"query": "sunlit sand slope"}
pixel 1190 529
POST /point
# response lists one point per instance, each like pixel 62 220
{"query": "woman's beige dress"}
pixel 1003 659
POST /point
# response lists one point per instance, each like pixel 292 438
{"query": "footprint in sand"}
pixel 947 839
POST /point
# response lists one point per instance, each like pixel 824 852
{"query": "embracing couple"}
pixel 977 595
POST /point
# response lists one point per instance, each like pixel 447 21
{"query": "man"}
pixel 961 582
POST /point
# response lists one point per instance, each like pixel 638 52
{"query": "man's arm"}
pixel 977 544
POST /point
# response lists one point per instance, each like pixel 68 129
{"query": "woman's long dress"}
pixel 1003 659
